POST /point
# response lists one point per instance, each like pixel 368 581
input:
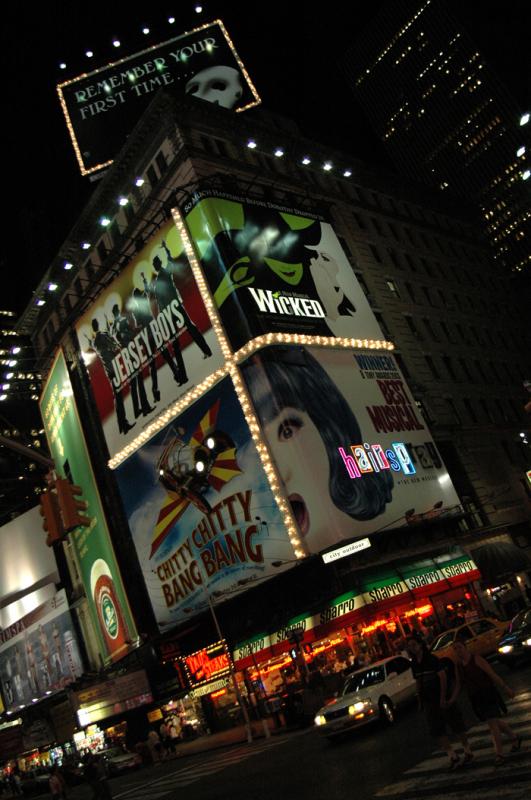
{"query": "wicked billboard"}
pixel 200 509
pixel 147 339
pixel 351 448
pixel 102 107
pixel 275 269
pixel 39 654
pixel 113 623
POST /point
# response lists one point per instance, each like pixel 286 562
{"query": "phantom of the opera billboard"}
pixel 200 509
pixel 353 453
pixel 39 654
pixel 113 623
pixel 147 339
pixel 102 107
pixel 275 269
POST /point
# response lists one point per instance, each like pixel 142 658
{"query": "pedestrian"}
pixel 57 784
pixel 481 683
pixel 432 689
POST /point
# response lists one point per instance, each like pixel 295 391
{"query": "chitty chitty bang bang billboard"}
pixel 352 451
pixel 102 107
pixel 147 339
pixel 275 269
pixel 200 509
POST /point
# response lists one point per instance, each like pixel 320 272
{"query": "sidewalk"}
pixel 233 736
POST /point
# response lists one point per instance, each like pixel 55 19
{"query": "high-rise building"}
pixel 175 513
pixel 446 118
pixel 21 477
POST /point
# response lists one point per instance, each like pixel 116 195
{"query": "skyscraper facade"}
pixel 446 118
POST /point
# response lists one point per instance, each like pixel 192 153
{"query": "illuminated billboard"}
pixel 147 339
pixel 200 509
pixel 273 269
pixel 39 654
pixel 351 448
pixel 107 601
pixel 102 107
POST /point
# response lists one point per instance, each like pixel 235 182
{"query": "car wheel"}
pixel 387 710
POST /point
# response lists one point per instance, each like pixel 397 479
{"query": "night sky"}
pixel 291 50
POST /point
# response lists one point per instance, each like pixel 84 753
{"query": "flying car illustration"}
pixel 189 470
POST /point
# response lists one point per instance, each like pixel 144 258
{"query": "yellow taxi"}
pixel 480 635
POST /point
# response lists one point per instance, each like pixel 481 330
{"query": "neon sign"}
pixel 207 664
pixel 368 458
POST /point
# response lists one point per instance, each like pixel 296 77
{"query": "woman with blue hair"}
pixel 306 419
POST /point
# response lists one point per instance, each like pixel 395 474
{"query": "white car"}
pixel 369 694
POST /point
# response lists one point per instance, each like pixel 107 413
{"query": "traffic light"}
pixel 52 522
pixel 70 506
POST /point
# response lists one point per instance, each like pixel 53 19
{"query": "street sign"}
pixel 347 550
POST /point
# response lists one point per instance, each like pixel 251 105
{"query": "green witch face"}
pixel 254 245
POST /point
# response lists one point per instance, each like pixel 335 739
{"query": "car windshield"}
pixel 523 619
pixel 444 640
pixel 362 680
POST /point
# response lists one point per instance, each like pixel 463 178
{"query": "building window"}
pixel 453 410
pixel 427 295
pixel 480 371
pixel 446 331
pixel 393 288
pixel 402 366
pixel 465 369
pixel 376 225
pixel 470 409
pixel 161 162
pixel 152 176
pixel 412 327
pixel 486 408
pixel 432 367
pixel 429 328
pixel 393 258
pixel 375 253
pixel 358 220
pixel 409 261
pixel 410 291
pixel 447 361
pixel 383 325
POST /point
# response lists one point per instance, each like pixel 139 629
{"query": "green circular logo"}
pixel 110 617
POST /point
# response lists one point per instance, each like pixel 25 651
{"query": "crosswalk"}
pixel 431 780
pixel 209 763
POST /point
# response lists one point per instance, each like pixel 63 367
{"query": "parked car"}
pixel 481 637
pixel 118 760
pixel 515 645
pixel 368 694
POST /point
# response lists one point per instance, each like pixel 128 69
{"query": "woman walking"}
pixel 481 682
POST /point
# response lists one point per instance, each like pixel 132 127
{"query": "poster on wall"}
pixel 99 571
pixel 200 509
pixel 276 269
pixel 353 452
pixel 39 654
pixel 147 339
pixel 102 107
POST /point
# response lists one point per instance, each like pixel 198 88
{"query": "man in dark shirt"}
pixel 106 347
pixel 432 689
pixel 143 316
pixel 124 334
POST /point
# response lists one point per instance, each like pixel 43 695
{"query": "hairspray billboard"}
pixel 200 509
pixel 147 339
pixel 275 269
pixel 353 453
pixel 102 107
pixel 93 549
pixel 39 654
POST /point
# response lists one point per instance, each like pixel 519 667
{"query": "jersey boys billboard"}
pixel 95 557
pixel 273 269
pixel 102 107
pixel 199 507
pixel 147 339
pixel 351 449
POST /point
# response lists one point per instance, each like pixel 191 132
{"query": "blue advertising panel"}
pixel 200 510
pixel 39 654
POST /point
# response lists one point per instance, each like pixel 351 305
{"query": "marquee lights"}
pixel 231 368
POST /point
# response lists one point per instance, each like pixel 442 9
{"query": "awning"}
pixel 500 560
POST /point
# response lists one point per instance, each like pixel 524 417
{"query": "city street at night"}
pixel 396 762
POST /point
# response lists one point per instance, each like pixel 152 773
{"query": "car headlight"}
pixel 320 720
pixel 357 707
pixel 527 642
pixel 506 648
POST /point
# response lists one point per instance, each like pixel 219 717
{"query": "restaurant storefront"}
pixel 364 624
